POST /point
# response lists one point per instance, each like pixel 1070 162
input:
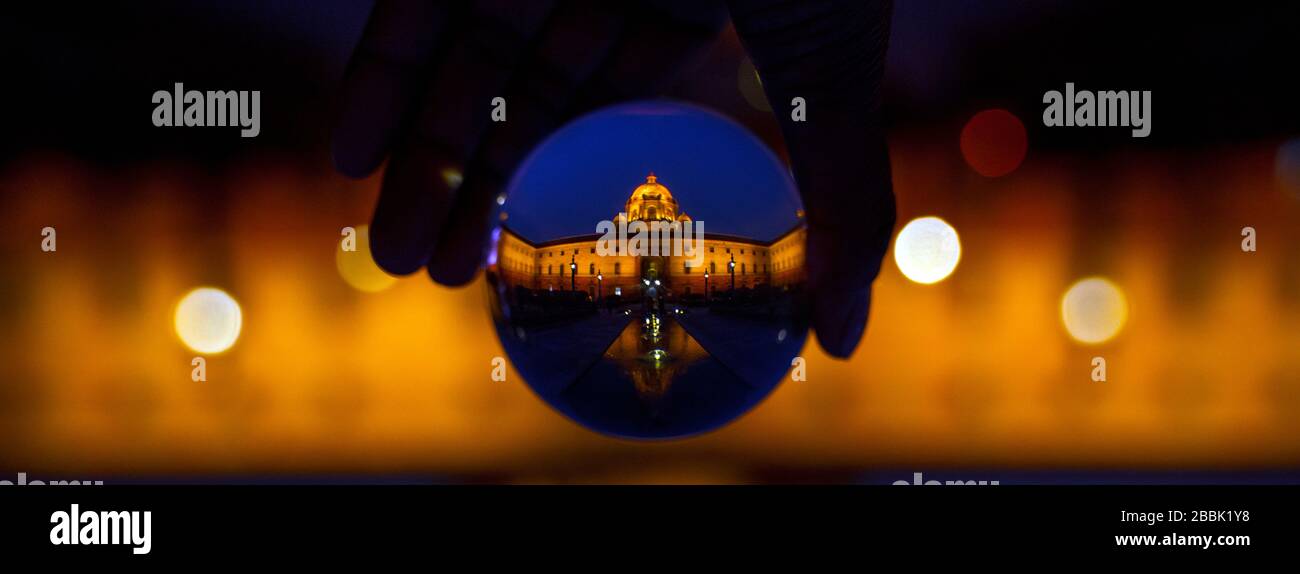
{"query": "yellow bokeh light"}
pixel 452 177
pixel 358 268
pixel 208 320
pixel 927 250
pixel 1094 310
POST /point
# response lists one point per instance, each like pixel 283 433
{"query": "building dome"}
pixel 651 201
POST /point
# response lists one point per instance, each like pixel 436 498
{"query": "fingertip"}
pixel 414 200
pixel 840 320
pixel 392 256
pixel 463 245
pixel 347 163
pixel 452 274
pixel 398 247
pixel 461 249
pixel 836 346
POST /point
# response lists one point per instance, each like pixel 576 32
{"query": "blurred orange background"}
pixel 974 372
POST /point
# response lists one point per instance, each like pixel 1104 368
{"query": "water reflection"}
pixel 652 353
pixel 659 368
pixel 656 380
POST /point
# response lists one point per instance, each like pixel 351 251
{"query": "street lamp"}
pixel 731 267
pixel 706 286
pixel 600 278
pixel 573 272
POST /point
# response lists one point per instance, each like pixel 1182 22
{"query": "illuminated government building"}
pixel 574 263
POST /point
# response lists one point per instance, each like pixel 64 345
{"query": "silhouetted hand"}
pixel 420 85
pixel 831 53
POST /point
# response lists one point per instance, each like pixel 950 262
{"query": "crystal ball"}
pixel 646 273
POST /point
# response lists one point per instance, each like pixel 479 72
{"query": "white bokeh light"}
pixel 927 250
pixel 1094 310
pixel 208 320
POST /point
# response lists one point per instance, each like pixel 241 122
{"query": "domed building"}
pixel 651 201
pixel 576 263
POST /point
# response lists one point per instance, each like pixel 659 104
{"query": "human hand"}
pixel 419 92
pixel 831 54
pixel 419 88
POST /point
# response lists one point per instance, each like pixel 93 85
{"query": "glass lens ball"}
pixel 647 274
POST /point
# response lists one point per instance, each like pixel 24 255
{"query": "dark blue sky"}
pixel 718 172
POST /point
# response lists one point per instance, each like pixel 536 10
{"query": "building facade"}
pixel 577 263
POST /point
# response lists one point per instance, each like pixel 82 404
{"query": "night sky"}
pixel 717 171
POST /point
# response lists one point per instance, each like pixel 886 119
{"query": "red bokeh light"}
pixel 994 142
